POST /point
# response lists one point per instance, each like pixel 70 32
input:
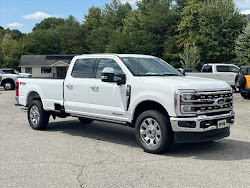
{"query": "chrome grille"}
pixel 206 102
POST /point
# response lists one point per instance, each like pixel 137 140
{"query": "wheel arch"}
pixel 6 80
pixel 148 105
pixel 33 95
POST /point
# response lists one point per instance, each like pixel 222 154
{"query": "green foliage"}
pixel 49 23
pixel 242 47
pixel 213 26
pixel 10 51
pixel 156 27
pixel 190 57
pixel 189 26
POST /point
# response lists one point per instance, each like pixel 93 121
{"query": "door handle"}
pixel 69 86
pixel 94 87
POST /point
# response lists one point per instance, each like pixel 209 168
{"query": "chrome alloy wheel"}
pixel 7 86
pixel 150 132
pixel 34 115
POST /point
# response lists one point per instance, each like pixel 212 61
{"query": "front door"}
pixel 76 87
pixel 107 100
pixel 61 72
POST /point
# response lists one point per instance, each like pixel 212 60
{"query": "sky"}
pixel 24 14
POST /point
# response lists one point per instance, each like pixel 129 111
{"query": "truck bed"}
pixel 50 90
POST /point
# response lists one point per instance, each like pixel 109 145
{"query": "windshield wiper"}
pixel 170 74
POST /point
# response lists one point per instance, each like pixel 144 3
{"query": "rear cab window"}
pixel 207 68
pixel 83 68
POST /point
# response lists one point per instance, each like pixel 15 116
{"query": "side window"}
pixel 222 68
pixel 107 63
pixel 207 68
pixel 248 71
pixel 83 68
pixel 233 69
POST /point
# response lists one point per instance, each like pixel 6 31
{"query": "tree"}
pixel 189 26
pixel 190 57
pixel 10 51
pixel 48 23
pixel 242 47
pixel 147 27
pixel 218 30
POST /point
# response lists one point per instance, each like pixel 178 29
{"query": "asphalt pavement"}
pixel 70 154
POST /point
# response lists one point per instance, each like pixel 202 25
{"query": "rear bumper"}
pixel 17 101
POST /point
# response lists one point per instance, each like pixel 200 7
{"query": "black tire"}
pixel 245 95
pixel 145 136
pixel 240 81
pixel 34 108
pixel 8 85
pixel 85 120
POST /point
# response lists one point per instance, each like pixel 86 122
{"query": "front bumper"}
pixel 199 123
pixel 204 128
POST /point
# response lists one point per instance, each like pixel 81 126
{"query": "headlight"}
pixel 183 102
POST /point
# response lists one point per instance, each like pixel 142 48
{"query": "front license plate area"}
pixel 222 123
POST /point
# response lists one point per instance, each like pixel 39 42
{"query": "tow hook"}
pixel 23 109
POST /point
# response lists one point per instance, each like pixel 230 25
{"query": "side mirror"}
pixel 108 74
pixel 122 80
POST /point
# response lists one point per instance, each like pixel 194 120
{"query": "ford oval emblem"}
pixel 219 101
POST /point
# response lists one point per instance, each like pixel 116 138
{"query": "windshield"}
pixel 1 72
pixel 16 72
pixel 149 67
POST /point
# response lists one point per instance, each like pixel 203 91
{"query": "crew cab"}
pixel 141 91
pixel 225 72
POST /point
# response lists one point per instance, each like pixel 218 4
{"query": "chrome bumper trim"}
pixel 176 128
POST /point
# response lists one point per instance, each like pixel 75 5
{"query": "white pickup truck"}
pixel 8 80
pixel 225 72
pixel 140 91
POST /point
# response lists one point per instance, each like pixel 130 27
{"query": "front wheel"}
pixel 37 116
pixel 153 132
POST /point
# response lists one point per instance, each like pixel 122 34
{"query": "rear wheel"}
pixel 37 116
pixel 153 132
pixel 85 120
pixel 240 81
pixel 8 85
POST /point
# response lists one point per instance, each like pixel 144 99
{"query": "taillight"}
pixel 17 88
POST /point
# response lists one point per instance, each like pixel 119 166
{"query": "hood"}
pixel 188 82
pixel 25 75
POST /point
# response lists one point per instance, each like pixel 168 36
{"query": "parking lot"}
pixel 70 154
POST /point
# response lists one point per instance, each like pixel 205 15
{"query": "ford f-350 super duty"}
pixel 141 91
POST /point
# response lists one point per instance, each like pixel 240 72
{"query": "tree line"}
pixel 185 33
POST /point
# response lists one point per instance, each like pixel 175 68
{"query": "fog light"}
pixel 189 124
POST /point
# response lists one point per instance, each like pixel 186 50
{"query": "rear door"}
pixel 108 100
pixel 76 87
pixel 207 71
pixel 227 73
